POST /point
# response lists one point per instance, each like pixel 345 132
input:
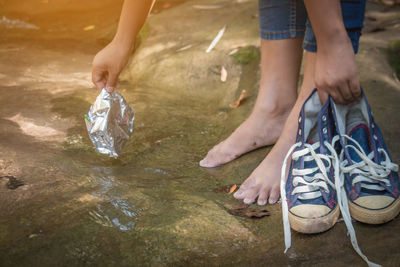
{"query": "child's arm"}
pixel 336 69
pixel 109 62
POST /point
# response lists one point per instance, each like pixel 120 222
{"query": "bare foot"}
pixel 280 65
pixel 264 181
pixel 258 130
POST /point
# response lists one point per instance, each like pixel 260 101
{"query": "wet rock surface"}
pixel 154 205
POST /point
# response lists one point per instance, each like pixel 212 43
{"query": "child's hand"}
pixel 336 72
pixel 108 64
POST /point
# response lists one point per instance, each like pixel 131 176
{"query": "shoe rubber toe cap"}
pixel 374 209
pixel 308 211
pixel 311 219
pixel 374 202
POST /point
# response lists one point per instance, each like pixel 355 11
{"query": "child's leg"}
pixel 282 26
pixel 264 180
pixel 280 64
pixel 336 70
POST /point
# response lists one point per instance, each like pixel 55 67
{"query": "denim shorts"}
pixel 283 19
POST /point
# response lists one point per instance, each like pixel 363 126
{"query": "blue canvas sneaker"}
pixel 370 177
pixel 309 202
pixel 313 194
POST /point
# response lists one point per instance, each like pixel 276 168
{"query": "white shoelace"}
pixel 320 180
pixel 316 182
pixel 368 173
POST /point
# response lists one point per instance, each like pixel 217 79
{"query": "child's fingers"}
pixel 346 93
pixel 337 96
pixel 355 88
pixel 100 84
pixel 323 96
pixel 112 81
pixel 98 78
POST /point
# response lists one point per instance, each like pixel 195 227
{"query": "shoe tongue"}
pixel 313 135
pixel 312 138
pixel 357 128
pixel 359 133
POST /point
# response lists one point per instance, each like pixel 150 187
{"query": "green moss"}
pixel 144 32
pixel 393 53
pixel 245 55
pixel 142 35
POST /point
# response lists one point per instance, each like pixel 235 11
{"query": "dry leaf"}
pixel 241 206
pixel 224 74
pixel 184 48
pixel 89 28
pixel 216 39
pixel 224 188
pixel 236 48
pixel 240 99
pixel 233 51
pixel 233 188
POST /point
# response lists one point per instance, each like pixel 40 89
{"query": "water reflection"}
pixel 113 210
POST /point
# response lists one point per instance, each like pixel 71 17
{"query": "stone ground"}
pixel 154 205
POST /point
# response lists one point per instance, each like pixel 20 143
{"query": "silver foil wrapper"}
pixel 110 123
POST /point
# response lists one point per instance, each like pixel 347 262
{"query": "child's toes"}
pixel 240 194
pixel 274 195
pixel 263 198
pixel 251 195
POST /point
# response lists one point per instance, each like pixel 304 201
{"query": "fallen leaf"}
pixel 216 39
pixel 241 206
pixel 236 48
pixel 240 99
pixel 249 213
pixel 184 48
pixel 233 51
pixel 224 188
pixel 89 28
pixel 224 74
pixel 233 188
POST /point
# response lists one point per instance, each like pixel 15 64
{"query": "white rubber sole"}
pixel 314 225
pixel 371 216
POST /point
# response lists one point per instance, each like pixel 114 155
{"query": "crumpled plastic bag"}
pixel 110 123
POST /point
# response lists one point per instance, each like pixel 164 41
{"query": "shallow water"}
pixel 153 205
